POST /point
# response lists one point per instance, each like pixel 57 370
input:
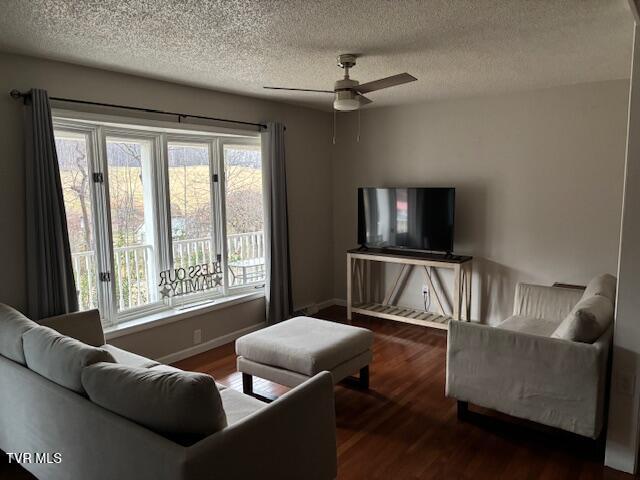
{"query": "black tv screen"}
pixel 412 218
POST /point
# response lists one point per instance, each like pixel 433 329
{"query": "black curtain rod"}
pixel 18 94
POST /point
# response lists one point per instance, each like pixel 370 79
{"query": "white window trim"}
pixel 160 133
pixel 167 316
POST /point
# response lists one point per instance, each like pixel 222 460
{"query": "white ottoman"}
pixel 295 350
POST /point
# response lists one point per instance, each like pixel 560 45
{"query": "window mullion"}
pixel 220 209
pixel 164 203
pixel 158 197
pixel 104 245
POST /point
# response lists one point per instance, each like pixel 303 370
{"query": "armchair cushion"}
pixel 552 303
pixel 60 358
pixel 530 325
pixel 587 321
pixel 604 285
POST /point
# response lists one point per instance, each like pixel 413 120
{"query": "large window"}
pixel 159 218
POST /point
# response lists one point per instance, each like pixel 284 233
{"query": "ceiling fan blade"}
pixel 385 83
pixel 364 100
pixel 300 89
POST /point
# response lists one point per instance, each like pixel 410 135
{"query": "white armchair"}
pixel 518 368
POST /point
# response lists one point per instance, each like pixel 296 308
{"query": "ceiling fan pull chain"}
pixel 334 127
pixel 358 136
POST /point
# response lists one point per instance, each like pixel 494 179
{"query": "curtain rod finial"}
pixel 15 94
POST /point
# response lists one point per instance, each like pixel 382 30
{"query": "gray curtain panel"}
pixel 51 288
pixel 276 231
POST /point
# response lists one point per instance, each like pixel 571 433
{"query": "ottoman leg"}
pixel 364 377
pixel 463 410
pixel 247 384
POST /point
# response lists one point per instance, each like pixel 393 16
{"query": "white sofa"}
pixel 532 365
pixel 291 438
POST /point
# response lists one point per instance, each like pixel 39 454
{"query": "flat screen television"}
pixel 409 218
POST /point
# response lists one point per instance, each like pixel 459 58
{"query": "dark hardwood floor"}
pixel 405 428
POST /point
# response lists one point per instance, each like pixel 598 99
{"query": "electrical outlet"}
pixel 197 336
pixel 425 289
pixel 624 383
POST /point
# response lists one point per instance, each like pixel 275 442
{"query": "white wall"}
pixel 624 411
pixel 538 176
pixel 308 173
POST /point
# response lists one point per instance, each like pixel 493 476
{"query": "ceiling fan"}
pixel 348 92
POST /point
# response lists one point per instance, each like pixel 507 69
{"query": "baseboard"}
pixel 208 345
pixel 331 302
pixel 320 305
pixel 341 302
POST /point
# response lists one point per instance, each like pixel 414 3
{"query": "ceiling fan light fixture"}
pixel 346 101
pixel 349 94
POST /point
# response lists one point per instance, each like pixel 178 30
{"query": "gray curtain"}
pixel 276 231
pixel 51 288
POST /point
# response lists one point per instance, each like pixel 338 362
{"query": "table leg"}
pixel 468 290
pixel 349 288
pixel 457 293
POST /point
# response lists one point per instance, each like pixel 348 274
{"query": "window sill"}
pixel 175 314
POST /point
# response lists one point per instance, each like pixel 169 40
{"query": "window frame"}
pixel 216 239
pixel 99 215
pixel 252 286
pixel 98 128
pixel 156 196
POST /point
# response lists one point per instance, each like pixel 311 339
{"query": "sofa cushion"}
pixel 164 368
pixel 238 405
pixel 170 403
pixel 168 368
pixel 587 321
pixel 305 345
pixel 129 359
pixel 530 325
pixel 12 325
pixel 60 358
pixel 604 285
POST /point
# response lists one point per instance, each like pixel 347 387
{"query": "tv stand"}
pixel 459 307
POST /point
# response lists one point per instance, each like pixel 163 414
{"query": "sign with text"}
pixel 193 279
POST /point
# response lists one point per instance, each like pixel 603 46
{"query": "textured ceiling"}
pixel 454 47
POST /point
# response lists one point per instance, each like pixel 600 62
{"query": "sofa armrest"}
pixel 551 381
pixel 84 326
pixel 294 437
pixel 552 303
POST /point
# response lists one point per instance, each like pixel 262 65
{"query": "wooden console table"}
pixel 460 304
